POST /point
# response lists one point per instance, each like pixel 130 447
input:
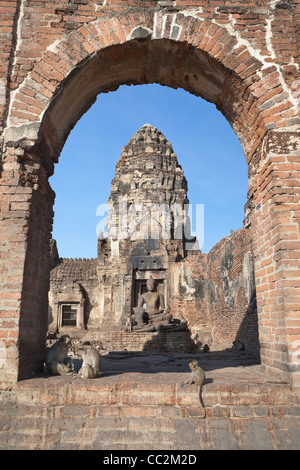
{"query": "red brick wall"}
pixel 9 13
pixel 228 31
pixel 216 293
pixel 26 203
pixel 148 412
pixel 276 241
pixel 233 312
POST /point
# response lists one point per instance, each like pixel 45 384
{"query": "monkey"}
pixel 97 345
pixel 129 323
pixel 237 346
pixel 57 361
pixel 91 362
pixel 76 345
pixel 197 377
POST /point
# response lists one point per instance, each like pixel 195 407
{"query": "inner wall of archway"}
pixel 145 62
pixel 55 98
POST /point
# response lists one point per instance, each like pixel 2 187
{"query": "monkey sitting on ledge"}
pixel 58 362
pixel 197 377
pixel 91 361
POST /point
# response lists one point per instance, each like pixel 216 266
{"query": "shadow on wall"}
pixel 232 289
pixel 88 307
pixel 248 330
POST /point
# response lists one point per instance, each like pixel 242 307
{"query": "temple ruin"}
pixel 148 234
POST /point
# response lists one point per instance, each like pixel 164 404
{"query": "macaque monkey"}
pixel 75 345
pixel 58 362
pixel 197 377
pixel 91 362
pixel 129 323
pixel 238 346
pixel 97 345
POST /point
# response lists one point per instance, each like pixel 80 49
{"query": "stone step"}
pixel 126 411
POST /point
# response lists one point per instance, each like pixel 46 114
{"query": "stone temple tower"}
pixel 148 237
pixel 146 222
pixel 149 190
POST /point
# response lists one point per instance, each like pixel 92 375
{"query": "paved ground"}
pixel 221 367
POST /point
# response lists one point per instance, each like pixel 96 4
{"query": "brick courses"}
pixel 152 411
pixel 233 313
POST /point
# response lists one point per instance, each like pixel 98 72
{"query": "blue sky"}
pixel 207 149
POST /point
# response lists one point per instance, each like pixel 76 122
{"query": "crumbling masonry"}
pixel 148 235
pixel 243 56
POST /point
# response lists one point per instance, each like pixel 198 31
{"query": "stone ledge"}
pixel 135 411
pixel 131 407
pixel 166 341
pixel 137 403
pixel 138 389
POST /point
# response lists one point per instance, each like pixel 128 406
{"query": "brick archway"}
pixel 176 50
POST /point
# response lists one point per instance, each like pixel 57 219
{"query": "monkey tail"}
pixel 201 403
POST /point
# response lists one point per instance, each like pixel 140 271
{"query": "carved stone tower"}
pixel 146 222
pixel 147 235
pixel 149 190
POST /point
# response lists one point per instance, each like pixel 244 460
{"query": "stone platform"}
pixel 162 341
pixel 138 403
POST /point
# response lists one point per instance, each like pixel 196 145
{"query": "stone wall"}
pixel 69 277
pixel 216 293
pixel 233 311
pixel 148 413
pixel 189 287
pixel 176 341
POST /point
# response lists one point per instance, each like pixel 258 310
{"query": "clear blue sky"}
pixel 207 149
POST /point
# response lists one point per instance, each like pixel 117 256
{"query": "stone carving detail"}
pixel 151 314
